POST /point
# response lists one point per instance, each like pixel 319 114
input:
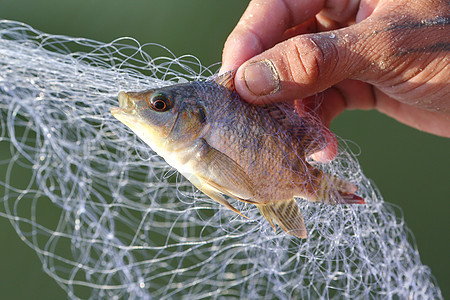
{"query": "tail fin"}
pixel 334 190
pixel 286 214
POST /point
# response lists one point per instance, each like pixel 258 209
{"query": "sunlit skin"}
pixel 392 56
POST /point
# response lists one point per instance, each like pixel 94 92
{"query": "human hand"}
pixel 392 56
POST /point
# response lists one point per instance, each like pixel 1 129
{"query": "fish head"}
pixel 166 118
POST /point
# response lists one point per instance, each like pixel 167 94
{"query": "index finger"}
pixel 262 26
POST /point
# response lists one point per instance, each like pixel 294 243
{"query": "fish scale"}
pixel 228 147
pixel 257 151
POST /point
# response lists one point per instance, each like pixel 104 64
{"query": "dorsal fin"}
pixel 226 79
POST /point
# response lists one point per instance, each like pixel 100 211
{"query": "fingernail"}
pixel 262 78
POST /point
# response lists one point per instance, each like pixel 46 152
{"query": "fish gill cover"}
pixel 127 226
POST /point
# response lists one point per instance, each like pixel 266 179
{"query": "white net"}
pixel 127 226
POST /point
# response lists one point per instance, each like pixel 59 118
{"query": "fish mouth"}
pixel 126 105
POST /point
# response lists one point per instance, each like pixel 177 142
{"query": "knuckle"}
pixel 312 58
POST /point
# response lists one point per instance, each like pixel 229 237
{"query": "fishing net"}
pixel 109 218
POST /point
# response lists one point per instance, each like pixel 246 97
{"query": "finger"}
pixel 340 10
pixel 347 12
pixel 356 94
pixel 309 26
pixel 353 94
pixel 429 121
pixel 365 9
pixel 349 94
pixel 313 106
pixel 346 95
pixel 326 24
pixel 302 66
pixel 262 25
pixel 384 50
pixel 317 23
pixel 330 151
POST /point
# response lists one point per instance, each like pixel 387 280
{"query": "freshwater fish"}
pixel 227 147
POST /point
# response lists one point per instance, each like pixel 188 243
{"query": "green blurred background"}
pixel 410 168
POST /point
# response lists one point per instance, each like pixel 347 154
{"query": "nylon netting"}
pixel 125 225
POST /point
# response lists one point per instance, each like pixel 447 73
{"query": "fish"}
pixel 227 147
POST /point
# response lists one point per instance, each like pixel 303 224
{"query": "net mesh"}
pixel 109 219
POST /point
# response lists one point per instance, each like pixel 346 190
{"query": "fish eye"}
pixel 159 102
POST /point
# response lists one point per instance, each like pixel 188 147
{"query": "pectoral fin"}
pixel 286 214
pixel 222 173
pixel 221 199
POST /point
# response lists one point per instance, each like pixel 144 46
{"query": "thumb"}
pixel 303 66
